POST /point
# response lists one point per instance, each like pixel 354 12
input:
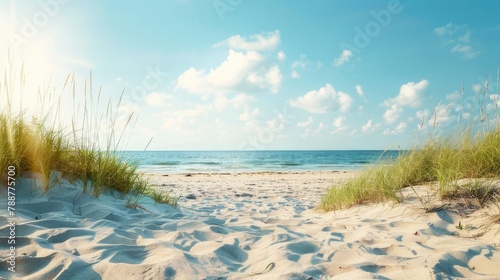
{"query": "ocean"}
pixel 253 161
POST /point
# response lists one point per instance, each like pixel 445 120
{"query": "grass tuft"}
pixel 472 153
pixel 37 145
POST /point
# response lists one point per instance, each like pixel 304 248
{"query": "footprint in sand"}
pixel 336 237
pixel 218 229
pixel 302 248
pixel 232 255
pixel 169 273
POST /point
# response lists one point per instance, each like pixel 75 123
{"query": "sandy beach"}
pixel 263 225
pixel 218 140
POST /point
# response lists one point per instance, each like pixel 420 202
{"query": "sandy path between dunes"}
pixel 243 226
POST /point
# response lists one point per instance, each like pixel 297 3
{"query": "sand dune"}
pixel 241 226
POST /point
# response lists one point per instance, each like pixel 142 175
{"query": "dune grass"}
pixel 37 145
pixel 467 153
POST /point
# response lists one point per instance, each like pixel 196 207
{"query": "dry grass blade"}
pixel 472 152
pixel 37 143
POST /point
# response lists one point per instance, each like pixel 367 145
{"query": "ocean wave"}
pixel 289 164
pixel 237 166
pixel 168 163
pixel 203 163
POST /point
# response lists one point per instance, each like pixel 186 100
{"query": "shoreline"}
pixel 213 173
pixel 146 171
pixel 256 161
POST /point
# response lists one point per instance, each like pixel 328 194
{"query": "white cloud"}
pixel 240 71
pixel 182 119
pixel 495 98
pixel 324 100
pixel 345 101
pixel 338 124
pixel 270 128
pixel 421 117
pixel 465 38
pixel 315 132
pixel 459 37
pixel 305 123
pixel 370 126
pixel 442 115
pixel 274 79
pixel 223 129
pixel 257 42
pixel 281 56
pixel 359 90
pixel 343 58
pixel 466 51
pixel 422 114
pixel 477 88
pixel 247 115
pixel 454 96
pixel 232 72
pixel 295 74
pixel 320 128
pixel 127 113
pixel 275 125
pixel 239 101
pixel 270 80
pixel 128 108
pixel 158 99
pixel 392 114
pixel 398 130
pixel 448 29
pixel 493 106
pixel 410 94
pixel 466 115
pixel 303 62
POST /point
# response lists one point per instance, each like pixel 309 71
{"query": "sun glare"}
pixel 27 62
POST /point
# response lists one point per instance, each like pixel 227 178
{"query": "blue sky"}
pixel 241 74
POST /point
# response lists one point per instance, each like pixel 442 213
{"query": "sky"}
pixel 257 75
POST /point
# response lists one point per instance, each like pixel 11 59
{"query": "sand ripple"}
pixel 245 226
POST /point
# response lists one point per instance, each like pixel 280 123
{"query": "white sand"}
pixel 239 225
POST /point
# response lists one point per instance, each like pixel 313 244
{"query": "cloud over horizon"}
pixel 240 72
pixel 323 100
pixel 267 41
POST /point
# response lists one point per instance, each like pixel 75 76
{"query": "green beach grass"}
pixel 472 151
pixel 37 145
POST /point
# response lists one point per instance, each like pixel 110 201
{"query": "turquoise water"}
pixel 251 161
